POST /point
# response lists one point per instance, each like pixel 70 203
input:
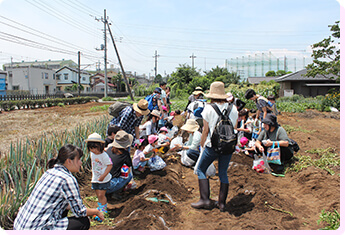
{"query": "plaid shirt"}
pixel 49 199
pixel 127 120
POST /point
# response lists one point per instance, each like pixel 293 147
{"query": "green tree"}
pixel 116 80
pixel 201 81
pixel 183 75
pixel 223 75
pixel 158 79
pixel 326 55
pixel 270 73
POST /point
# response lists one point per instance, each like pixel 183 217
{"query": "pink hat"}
pixel 243 140
pixel 152 138
pixel 164 108
pixel 163 129
pixel 172 113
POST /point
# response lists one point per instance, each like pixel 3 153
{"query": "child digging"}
pixel 101 166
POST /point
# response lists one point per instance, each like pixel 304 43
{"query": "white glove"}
pixel 137 141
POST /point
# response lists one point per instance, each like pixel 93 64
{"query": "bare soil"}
pixel 255 201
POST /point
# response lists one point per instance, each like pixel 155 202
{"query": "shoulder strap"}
pixel 215 107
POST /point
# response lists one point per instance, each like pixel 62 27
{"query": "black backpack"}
pixel 294 146
pixel 224 138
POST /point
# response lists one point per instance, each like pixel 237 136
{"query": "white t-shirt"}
pixel 210 116
pixel 99 164
pixel 190 108
pixel 147 149
pixel 162 139
pixel 146 129
pixel 163 95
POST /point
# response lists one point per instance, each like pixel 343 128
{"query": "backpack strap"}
pixel 227 111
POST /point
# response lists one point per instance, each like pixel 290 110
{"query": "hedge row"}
pixel 42 103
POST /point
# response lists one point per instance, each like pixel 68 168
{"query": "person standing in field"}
pixel 56 193
pixel 210 116
pixel 261 103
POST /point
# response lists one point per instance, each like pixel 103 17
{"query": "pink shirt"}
pixel 137 156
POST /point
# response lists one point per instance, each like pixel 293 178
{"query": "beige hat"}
pixel 141 107
pixel 94 137
pixel 197 92
pixel 122 140
pixel 156 113
pixel 217 91
pixel 191 125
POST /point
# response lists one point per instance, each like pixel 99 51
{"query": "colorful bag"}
pixel 124 171
pixel 156 163
pixel 273 154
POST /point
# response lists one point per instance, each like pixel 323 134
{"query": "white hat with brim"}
pixel 191 125
pixel 156 113
pixel 94 137
pixel 122 140
pixel 197 92
pixel 141 107
pixel 217 91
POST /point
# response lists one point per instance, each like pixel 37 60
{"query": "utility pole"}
pixel 105 21
pixel 118 57
pixel 285 68
pixel 78 73
pixel 192 56
pixel 156 56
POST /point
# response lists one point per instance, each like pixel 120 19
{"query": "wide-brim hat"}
pixel 270 119
pixel 198 88
pixel 122 140
pixel 141 107
pixel 197 92
pixel 217 91
pixel 156 113
pixel 94 137
pixel 178 121
pixel 191 125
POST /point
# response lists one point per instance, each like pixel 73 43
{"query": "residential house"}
pixel 99 86
pixel 296 83
pixel 35 79
pixel 66 77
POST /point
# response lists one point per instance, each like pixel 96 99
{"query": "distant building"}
pixel 50 64
pixel 66 77
pixel 36 80
pixel 295 83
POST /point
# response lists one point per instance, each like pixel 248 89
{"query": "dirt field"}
pixel 255 201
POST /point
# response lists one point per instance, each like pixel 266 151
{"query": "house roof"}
pixel 101 81
pixel 257 80
pixel 297 76
pixel 72 69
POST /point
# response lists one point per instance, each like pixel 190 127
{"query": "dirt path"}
pixel 255 201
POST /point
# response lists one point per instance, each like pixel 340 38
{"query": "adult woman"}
pixel 192 146
pixel 55 193
pixel 210 116
pixel 274 133
pixel 151 124
pixel 119 155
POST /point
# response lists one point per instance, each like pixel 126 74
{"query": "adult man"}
pixel 197 94
pixel 130 118
pixel 261 103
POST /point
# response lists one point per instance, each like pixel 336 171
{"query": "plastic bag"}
pixel 156 163
pixel 175 141
pixel 211 170
pixel 261 165
pixel 185 160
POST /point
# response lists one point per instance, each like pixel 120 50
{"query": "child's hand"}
pixel 101 178
pixel 100 215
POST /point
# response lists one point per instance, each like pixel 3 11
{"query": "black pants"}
pixel 74 223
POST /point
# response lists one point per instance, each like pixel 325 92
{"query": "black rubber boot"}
pixel 204 202
pixel 223 194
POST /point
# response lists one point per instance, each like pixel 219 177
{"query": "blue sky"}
pixel 211 30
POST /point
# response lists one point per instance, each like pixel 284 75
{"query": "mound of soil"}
pixel 255 201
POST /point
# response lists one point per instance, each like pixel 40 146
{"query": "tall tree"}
pixel 326 55
pixel 223 75
pixel 183 75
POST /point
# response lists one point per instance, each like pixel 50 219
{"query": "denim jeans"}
pixel 193 154
pixel 140 164
pixel 118 183
pixel 207 157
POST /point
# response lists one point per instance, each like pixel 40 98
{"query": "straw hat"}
pixel 156 113
pixel 122 140
pixel 94 137
pixel 141 107
pixel 178 121
pixel 191 125
pixel 217 91
pixel 198 91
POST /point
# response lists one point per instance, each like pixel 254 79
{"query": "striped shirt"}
pixel 49 199
pixel 127 120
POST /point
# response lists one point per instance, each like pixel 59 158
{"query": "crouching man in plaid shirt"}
pixel 55 193
pixel 130 118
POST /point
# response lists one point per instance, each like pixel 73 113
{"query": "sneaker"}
pixel 127 187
